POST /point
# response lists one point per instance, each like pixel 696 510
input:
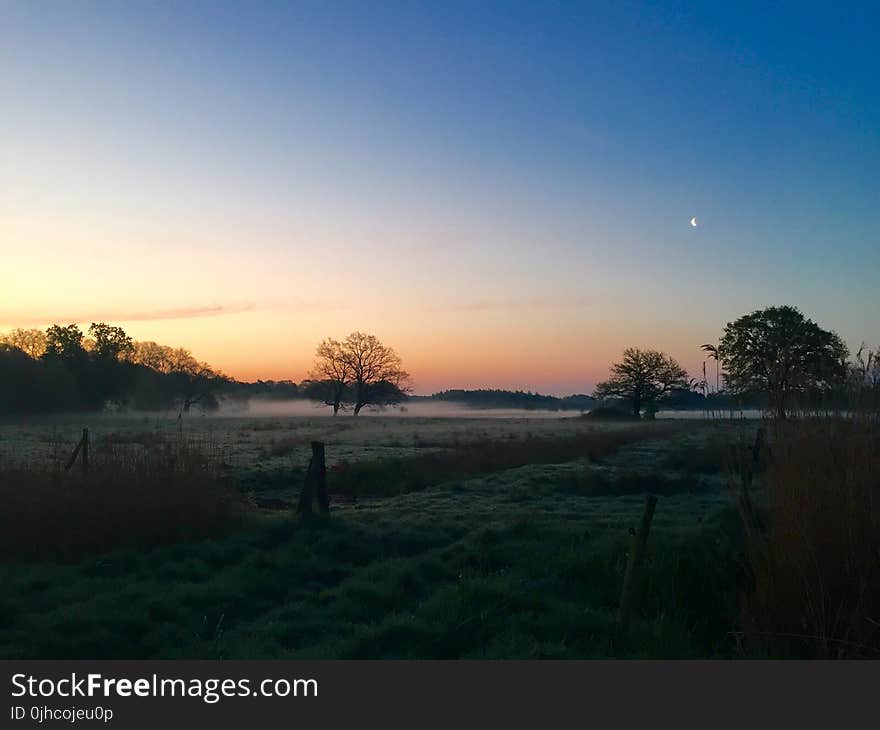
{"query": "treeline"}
pixel 64 369
pixel 526 400
pixel 775 359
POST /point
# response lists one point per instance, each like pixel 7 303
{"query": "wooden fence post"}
pixel 749 464
pixel 319 470
pixel 315 485
pixel 636 553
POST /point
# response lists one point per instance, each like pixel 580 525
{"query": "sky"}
pixel 500 191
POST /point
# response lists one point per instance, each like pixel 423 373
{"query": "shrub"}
pixel 610 413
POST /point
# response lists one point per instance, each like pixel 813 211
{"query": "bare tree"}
pixel 377 375
pixel 164 359
pixel 153 355
pixel 331 374
pixel 643 377
pixel 32 341
pixel 196 382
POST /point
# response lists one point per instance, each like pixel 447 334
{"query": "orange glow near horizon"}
pixel 261 316
pixel 509 215
pixel 276 345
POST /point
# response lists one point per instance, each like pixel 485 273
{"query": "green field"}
pixel 478 538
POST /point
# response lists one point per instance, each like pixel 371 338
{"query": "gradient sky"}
pixel 502 192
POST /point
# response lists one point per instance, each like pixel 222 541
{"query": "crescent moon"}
pixel 694 222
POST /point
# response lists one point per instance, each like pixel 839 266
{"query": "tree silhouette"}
pixel 197 382
pixel 713 354
pixel 64 342
pixel 32 342
pixel 154 356
pixel 331 374
pixel 377 375
pixel 643 377
pixel 75 372
pixel 779 352
pixel 111 343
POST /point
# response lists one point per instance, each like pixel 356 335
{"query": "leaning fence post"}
pixel 315 484
pixel 82 446
pixel 636 553
pixel 85 451
pixel 72 460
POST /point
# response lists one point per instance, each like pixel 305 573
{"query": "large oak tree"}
pixel 778 352
pixel 643 377
pixel 377 374
pixel 359 371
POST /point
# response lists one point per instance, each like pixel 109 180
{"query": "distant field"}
pixel 248 437
pixel 268 455
pixel 525 559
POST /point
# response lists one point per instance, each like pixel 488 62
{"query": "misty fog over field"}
pixel 410 410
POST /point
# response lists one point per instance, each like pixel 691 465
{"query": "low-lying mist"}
pixel 259 408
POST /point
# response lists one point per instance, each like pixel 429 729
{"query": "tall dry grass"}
pixel 134 496
pixel 814 550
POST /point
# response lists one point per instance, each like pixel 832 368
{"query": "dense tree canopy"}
pixel 496 398
pixel 64 342
pixel 111 343
pixel 64 370
pixel 779 352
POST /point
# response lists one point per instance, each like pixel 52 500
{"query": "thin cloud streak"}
pixel 10 318
pixel 13 319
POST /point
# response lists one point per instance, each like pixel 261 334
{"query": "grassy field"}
pixel 448 538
